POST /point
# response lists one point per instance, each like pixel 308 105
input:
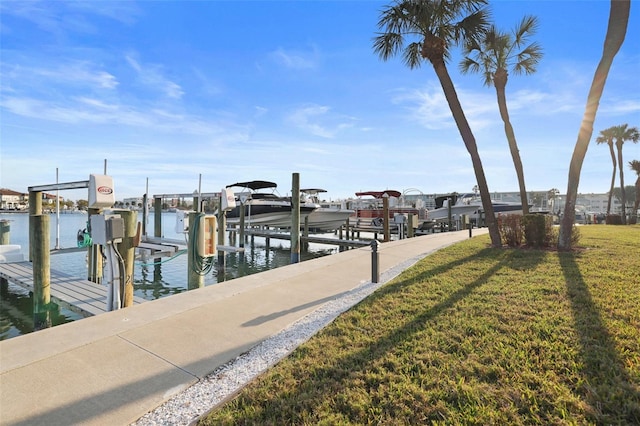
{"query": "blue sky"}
pixel 239 90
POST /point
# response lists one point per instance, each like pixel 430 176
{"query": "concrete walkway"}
pixel 113 368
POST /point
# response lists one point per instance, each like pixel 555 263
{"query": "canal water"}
pixel 151 280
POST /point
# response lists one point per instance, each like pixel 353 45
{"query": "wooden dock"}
pixel 278 235
pixel 83 297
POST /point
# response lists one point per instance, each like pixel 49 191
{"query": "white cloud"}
pixel 70 73
pixel 317 120
pixel 151 76
pixel 294 60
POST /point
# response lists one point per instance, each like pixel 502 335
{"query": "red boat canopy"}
pixel 379 194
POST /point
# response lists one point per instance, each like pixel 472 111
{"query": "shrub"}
pixel 614 219
pixel 575 236
pixel 532 230
pixel 538 230
pixel 511 232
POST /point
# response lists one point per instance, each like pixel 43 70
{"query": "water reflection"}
pixel 154 278
pixel 16 312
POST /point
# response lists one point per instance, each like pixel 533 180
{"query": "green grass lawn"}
pixel 473 335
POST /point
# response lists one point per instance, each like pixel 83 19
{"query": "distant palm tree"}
pixel 435 26
pixel 622 134
pixel 635 166
pixel 616 32
pixel 492 56
pixel 606 136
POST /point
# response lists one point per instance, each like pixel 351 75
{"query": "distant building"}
pixel 13 200
pixel 539 201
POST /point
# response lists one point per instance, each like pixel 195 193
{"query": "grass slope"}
pixel 473 335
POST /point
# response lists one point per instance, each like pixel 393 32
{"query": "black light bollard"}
pixel 375 264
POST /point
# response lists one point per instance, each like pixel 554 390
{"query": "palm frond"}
pixel 527 27
pixel 388 44
pixel 412 56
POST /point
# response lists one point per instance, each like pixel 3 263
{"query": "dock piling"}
pixel 127 250
pixel 5 232
pixel 195 280
pixel 295 218
pixel 41 272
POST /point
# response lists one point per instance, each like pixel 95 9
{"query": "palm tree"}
pixel 635 166
pixel 493 55
pixel 434 27
pixel 606 136
pixel 616 31
pixel 624 133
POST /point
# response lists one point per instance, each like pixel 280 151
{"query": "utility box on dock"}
pixel 207 236
pixel 228 199
pixel 107 229
pixel 182 222
pixel 101 193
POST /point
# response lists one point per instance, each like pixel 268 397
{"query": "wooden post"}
pixel 305 244
pixel 127 251
pixel 145 213
pixel 41 272
pixel 5 239
pixel 195 280
pixel 94 256
pixel 222 226
pixel 242 213
pixel 5 232
pixel 385 222
pixel 295 218
pixel 157 217
pixel 410 221
pixel 35 208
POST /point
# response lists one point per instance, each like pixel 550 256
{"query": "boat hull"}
pixel 473 210
pixel 328 219
pixel 268 215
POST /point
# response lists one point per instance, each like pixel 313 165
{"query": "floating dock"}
pixel 83 297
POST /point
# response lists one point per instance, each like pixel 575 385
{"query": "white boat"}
pixel 264 208
pixel 328 216
pixel 470 205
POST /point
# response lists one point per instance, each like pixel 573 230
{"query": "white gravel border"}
pixel 186 407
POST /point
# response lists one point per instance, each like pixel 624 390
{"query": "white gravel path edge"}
pixel 195 401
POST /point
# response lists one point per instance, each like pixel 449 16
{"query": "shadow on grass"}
pixel 608 389
pixel 368 355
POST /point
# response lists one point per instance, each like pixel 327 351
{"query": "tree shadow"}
pixel 368 355
pixel 607 383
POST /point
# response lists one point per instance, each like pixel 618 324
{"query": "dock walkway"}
pixel 83 297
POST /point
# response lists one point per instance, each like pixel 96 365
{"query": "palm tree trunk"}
pixel 637 203
pixel 613 178
pixel 470 142
pixel 623 213
pixel 616 31
pixel 500 82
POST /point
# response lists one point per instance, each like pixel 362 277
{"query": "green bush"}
pixel 532 230
pixel 538 230
pixel 511 231
pixel 575 236
pixel 614 219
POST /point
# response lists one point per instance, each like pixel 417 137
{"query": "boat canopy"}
pixel 313 190
pixel 380 194
pixel 441 199
pixel 254 184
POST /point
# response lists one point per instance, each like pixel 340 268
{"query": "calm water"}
pixel 151 281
